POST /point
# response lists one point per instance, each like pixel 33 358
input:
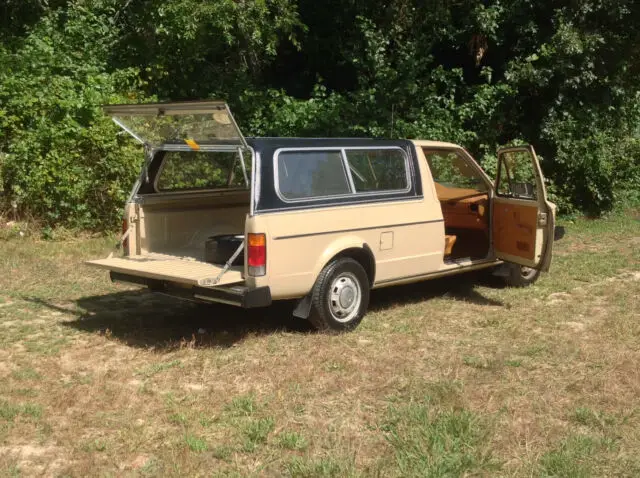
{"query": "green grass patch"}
pixel 222 452
pixel 243 405
pixel 9 412
pixel 435 443
pixel 178 418
pixel 196 444
pixel 26 373
pixel 292 441
pixel 570 459
pixel 257 431
pixel 325 467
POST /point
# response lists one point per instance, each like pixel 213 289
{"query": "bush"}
pixel 64 161
pixel 594 166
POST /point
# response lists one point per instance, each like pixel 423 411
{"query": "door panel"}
pixel 523 219
pixel 515 230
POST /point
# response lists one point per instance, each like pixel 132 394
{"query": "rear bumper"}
pixel 237 295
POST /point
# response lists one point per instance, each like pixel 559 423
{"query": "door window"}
pixel 451 170
pixel 516 175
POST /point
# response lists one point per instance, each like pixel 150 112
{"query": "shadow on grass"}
pixel 141 319
pixel 461 287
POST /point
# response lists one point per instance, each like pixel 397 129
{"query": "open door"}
pixel 523 219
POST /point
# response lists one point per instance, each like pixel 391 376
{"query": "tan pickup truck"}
pixel 218 217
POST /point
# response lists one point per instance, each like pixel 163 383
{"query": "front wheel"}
pixel 521 276
pixel 340 296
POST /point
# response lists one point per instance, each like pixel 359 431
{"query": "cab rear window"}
pixel 192 170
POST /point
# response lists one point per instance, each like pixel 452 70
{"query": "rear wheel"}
pixel 521 276
pixel 340 296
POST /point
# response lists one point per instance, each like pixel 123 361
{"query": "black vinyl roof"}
pixel 275 143
pixel 270 201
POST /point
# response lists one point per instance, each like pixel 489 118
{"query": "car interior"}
pixel 464 199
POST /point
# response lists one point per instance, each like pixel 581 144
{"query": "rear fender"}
pixel 334 249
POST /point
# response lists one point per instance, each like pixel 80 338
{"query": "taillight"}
pixel 257 254
pixel 125 242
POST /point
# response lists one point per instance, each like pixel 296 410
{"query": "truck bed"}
pixel 171 268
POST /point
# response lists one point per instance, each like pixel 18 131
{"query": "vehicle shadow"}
pixel 463 287
pixel 142 319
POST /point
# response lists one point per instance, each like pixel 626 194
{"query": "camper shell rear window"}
pixel 202 170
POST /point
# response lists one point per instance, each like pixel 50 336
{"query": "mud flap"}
pixel 303 309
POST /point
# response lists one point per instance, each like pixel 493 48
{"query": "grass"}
pixel 571 458
pixel 431 442
pixel 196 444
pixel 456 377
pixel 292 441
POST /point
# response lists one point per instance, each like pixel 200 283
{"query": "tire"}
pixel 520 276
pixel 340 296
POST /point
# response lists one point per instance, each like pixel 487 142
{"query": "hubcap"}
pixel 345 297
pixel 527 272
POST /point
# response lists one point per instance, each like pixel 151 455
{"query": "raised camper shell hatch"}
pixel 207 125
pixel 200 126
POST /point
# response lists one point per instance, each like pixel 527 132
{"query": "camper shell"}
pixel 217 217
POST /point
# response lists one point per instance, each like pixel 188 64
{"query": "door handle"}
pixel 542 219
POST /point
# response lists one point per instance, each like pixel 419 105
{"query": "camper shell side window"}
pixel 334 173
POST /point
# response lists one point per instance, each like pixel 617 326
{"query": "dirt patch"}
pixel 558 297
pixel 34 460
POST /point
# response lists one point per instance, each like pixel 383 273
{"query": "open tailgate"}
pixel 171 268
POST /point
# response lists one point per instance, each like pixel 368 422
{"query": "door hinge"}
pixel 542 219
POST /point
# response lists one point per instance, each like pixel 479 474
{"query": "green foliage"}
pixel 559 75
pixel 63 161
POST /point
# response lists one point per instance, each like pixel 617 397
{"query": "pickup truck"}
pixel 217 217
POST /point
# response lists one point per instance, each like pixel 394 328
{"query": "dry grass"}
pixel 444 378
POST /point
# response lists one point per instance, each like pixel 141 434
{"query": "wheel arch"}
pixel 358 251
pixel 364 256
